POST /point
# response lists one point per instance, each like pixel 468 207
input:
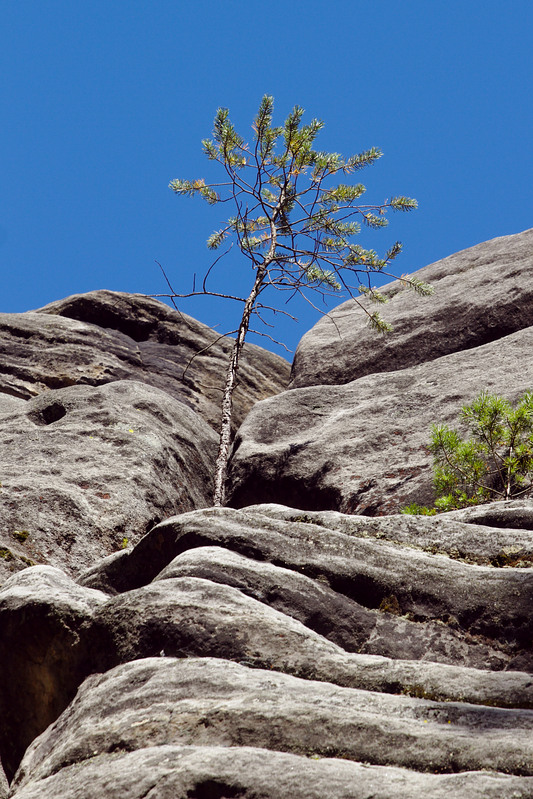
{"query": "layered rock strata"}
pixel 342 651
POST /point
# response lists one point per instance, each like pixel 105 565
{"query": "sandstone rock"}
pixel 362 447
pixel 515 514
pixel 104 336
pixel 333 615
pixel 215 772
pixel 4 784
pixel 266 651
pixel 482 601
pixel 44 657
pixel 480 534
pixel 85 469
pixel 211 702
pixel 481 294
pixel 192 617
pixel 293 594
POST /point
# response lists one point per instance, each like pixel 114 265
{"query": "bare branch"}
pixel 205 349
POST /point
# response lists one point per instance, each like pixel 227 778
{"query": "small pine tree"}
pixel 494 463
pixel 293 226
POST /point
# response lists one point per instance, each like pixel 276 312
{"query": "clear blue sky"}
pixel 104 102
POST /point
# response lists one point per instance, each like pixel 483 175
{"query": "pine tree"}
pixel 494 463
pixel 293 226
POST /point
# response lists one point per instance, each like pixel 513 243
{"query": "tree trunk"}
pixel 221 465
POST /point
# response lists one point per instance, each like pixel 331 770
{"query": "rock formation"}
pixel 283 647
pixel 354 438
pixel 481 295
pixel 101 437
pixel 104 336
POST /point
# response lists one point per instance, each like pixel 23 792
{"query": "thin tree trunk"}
pixel 221 465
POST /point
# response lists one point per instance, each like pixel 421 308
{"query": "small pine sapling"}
pixel 494 463
pixel 292 224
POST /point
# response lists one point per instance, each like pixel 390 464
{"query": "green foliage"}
pixel 289 216
pixel 414 509
pixel 494 463
pixel 20 535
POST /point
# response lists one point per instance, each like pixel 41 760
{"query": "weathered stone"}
pixel 303 653
pixel 4 784
pixel 481 294
pixel 192 617
pixel 104 336
pixel 482 601
pixel 211 772
pixel 362 447
pixel 333 615
pixel 481 534
pixel 85 469
pixel 44 657
pixel 212 702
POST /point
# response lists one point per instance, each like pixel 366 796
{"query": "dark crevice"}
pixel 48 414
pixel 86 309
pixel 12 392
pixel 215 789
pixel 289 491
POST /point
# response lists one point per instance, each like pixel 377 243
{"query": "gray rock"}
pixel 480 601
pixel 104 336
pixel 4 784
pixel 44 657
pixel 209 772
pixel 515 514
pixel 497 534
pixel 481 294
pixel 362 447
pixel 85 468
pixel 211 702
pixel 333 615
pixel 193 617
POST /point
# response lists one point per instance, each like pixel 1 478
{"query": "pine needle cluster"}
pixel 494 463
pixel 289 219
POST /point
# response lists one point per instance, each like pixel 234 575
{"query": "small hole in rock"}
pixel 52 413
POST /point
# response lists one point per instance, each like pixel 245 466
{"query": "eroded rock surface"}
pixel 300 635
pixel 332 614
pixel 211 702
pixel 362 447
pixel 103 336
pixel 351 567
pixel 184 772
pixel 481 294
pixel 87 469
pixel 273 650
pixel 44 654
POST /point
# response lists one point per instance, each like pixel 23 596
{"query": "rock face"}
pixel 249 652
pixel 481 295
pixel 267 650
pixel 101 435
pixel 168 701
pixel 104 336
pixel 44 655
pixel 361 446
pixel 87 469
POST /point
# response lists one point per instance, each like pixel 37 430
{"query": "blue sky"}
pixel 105 102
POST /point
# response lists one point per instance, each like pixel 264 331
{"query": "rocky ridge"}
pixel 361 401
pixel 163 648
